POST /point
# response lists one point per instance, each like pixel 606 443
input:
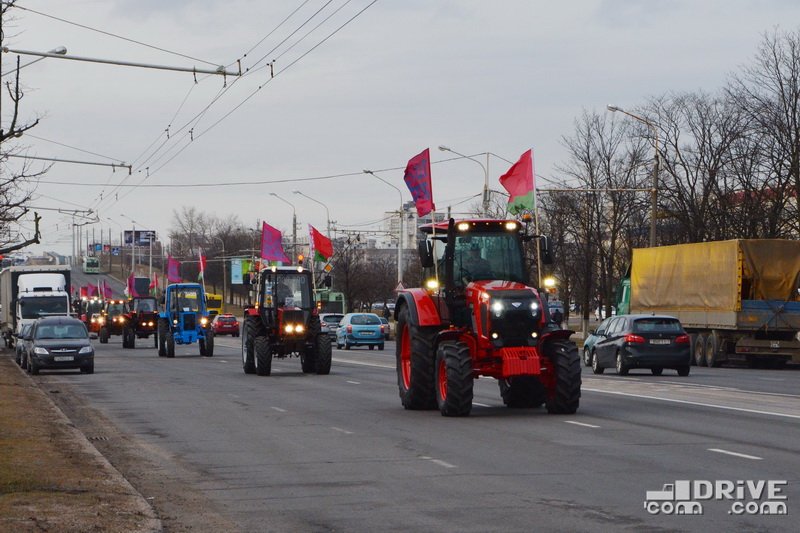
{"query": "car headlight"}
pixel 86 349
pixel 40 351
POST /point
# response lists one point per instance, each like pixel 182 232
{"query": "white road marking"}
pixel 278 409
pixel 698 404
pixel 222 360
pixel 350 361
pixel 340 430
pixel 581 424
pixel 481 404
pixel 742 455
pixel 354 382
pixel 438 461
pixel 771 379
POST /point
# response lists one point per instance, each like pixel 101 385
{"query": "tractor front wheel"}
pixel 566 393
pixel 248 350
pixel 522 392
pixel 103 335
pixel 170 342
pixel 454 379
pixel 324 354
pixel 207 345
pixel 263 356
pixel 161 337
pixel 415 361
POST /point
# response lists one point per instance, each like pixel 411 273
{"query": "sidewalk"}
pixel 51 477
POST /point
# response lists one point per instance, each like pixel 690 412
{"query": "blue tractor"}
pixel 184 320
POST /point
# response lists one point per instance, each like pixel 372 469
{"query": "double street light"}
pixel 656 166
pixel 294 223
pixel 400 236
pixel 327 213
pixel 485 173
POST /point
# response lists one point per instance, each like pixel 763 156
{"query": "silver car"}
pixel 329 323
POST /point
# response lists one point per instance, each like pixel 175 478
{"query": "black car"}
pixel 642 341
pixel 59 342
pixel 21 345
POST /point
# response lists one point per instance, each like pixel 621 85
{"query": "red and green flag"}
pixel 518 181
pixel 201 275
pixel 322 245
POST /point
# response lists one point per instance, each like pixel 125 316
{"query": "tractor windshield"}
pixel 187 300
pixel 291 290
pixel 144 305
pixel 115 309
pixel 485 256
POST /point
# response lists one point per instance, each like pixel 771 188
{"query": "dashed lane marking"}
pixel 340 430
pixel 438 462
pixel 581 424
pixel 278 409
pixel 354 382
pixel 736 454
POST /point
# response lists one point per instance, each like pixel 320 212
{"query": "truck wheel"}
pixel 248 351
pixel 104 335
pixel 622 368
pixel 324 355
pixel 700 350
pixel 414 363
pixel 712 350
pixel 454 381
pixel 263 356
pixel 565 396
pixel 522 391
pixel 170 342
pixel 161 337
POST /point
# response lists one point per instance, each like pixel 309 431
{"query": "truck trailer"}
pixel 29 292
pixel 737 299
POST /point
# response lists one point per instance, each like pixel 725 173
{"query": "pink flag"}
pixel 271 247
pixel 131 287
pixel 418 180
pixel 91 290
pixel 107 293
pixel 173 270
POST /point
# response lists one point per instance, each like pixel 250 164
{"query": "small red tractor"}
pixel 284 322
pixel 478 317
pixel 112 319
pixel 141 321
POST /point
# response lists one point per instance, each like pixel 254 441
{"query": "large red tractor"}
pixel 478 317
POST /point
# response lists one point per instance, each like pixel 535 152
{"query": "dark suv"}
pixel 59 342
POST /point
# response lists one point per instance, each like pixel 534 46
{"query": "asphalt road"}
pixel 318 453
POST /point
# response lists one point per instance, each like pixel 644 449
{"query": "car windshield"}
pixel 365 320
pixel 61 331
pixel 657 325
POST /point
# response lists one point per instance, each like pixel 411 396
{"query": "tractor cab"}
pixel 285 300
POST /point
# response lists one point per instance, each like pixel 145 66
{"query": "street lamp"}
pixel 485 172
pixel 59 50
pixel 327 213
pixel 400 236
pixel 294 224
pixel 133 244
pixel 656 166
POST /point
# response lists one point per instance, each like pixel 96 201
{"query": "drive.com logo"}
pixel 747 497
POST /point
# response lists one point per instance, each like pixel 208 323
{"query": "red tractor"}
pixel 478 317
pixel 141 321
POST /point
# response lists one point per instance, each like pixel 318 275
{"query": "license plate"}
pixel 367 333
pixel 659 341
pixel 60 358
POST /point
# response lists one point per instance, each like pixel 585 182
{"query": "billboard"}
pixel 143 237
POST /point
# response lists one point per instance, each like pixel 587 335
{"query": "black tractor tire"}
pixel 170 342
pixel 309 356
pixel 263 353
pixel 565 398
pixel 324 355
pixel 414 359
pixel 522 392
pixel 207 345
pixel 454 379
pixel 103 335
pixel 155 339
pixel 161 337
pixel 250 328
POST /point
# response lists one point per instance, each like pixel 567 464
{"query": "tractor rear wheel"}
pixel 263 353
pixel 522 392
pixel 565 397
pixel 170 342
pixel 207 345
pixel 454 379
pixel 324 354
pixel 415 362
pixel 161 338
pixel 248 351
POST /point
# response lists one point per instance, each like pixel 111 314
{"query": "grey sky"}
pixel 499 76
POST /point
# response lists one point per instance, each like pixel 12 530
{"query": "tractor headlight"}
pixel 289 328
pixel 204 321
pixel 175 321
pixel 534 308
pixel 299 328
pixel 497 308
pixel 150 323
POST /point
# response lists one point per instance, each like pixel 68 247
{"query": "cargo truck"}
pixel 29 292
pixel 737 299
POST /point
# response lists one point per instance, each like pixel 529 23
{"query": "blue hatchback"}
pixel 360 329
